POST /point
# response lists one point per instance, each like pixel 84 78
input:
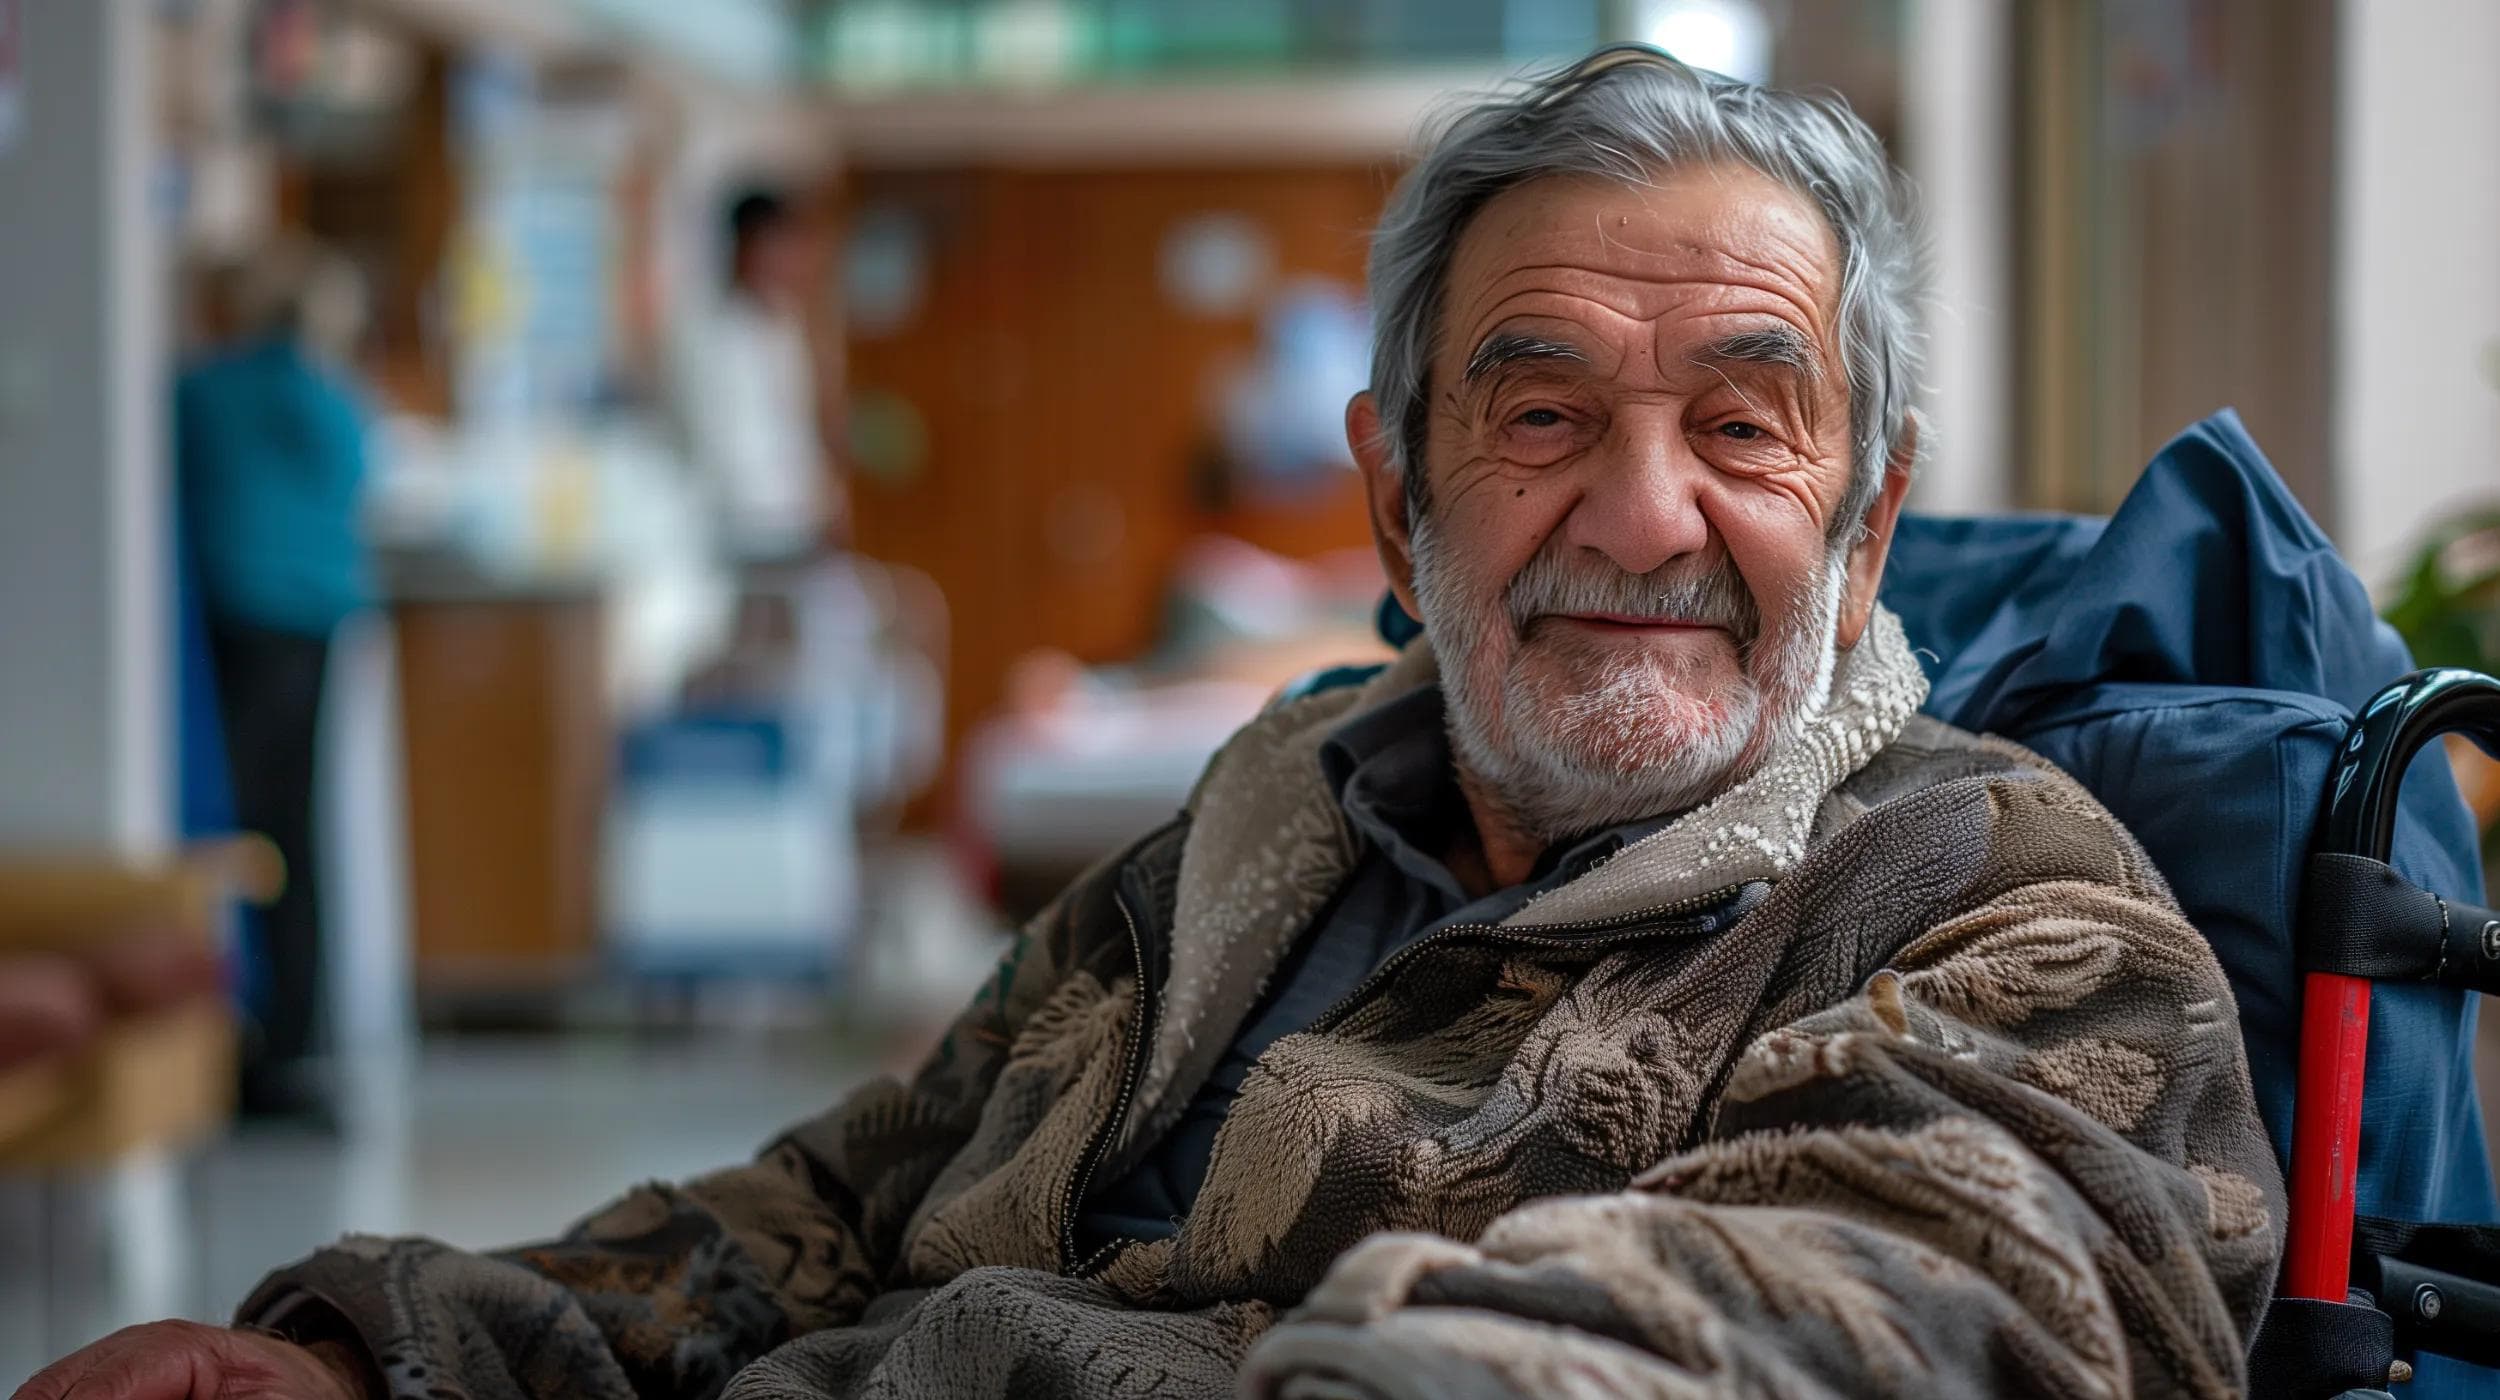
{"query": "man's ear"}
pixel 1384 489
pixel 1866 557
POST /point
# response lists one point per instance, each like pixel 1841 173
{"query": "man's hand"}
pixel 188 1361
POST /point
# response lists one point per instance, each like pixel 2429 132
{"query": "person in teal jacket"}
pixel 270 469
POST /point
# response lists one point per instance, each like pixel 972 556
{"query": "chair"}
pixel 117 1034
pixel 2197 660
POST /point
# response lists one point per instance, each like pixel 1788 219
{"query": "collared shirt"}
pixel 1390 770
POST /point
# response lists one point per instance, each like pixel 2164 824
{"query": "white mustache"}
pixel 1712 595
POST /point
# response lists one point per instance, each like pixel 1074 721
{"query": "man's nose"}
pixel 1642 503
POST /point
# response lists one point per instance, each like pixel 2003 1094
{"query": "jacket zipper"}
pixel 1551 936
pixel 1556 936
pixel 1141 1037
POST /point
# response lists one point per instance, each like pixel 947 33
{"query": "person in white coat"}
pixel 747 394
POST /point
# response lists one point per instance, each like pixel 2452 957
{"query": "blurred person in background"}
pixel 270 469
pixel 747 392
pixel 1625 992
pixel 746 384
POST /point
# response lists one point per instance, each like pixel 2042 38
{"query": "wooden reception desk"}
pixel 507 746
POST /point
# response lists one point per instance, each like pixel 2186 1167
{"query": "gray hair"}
pixel 291 288
pixel 1628 113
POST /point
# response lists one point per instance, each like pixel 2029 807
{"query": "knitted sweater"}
pixel 1956 1108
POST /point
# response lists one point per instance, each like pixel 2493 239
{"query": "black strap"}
pixel 2362 919
pixel 2310 1350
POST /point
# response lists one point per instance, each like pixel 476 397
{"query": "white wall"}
pixel 85 674
pixel 1958 121
pixel 2417 302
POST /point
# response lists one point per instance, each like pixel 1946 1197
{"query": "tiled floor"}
pixel 476 1142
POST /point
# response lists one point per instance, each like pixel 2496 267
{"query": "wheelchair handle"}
pixel 2359 820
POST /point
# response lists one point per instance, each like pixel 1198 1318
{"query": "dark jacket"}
pixel 1956 1108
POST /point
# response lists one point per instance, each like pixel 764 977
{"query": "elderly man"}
pixel 1625 993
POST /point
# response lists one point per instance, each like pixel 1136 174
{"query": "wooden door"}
pixel 1061 396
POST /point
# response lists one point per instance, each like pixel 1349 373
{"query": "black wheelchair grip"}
pixel 2365 783
pixel 2438 1311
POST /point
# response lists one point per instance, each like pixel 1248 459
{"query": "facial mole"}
pixel 1520 492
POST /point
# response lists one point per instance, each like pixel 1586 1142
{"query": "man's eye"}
pixel 1539 418
pixel 1739 432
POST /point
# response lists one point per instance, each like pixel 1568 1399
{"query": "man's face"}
pixel 1637 449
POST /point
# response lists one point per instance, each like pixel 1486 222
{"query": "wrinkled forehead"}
pixel 1700 250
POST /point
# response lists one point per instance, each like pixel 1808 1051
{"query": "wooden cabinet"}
pixel 507 749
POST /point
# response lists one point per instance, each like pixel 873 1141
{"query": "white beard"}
pixel 1635 744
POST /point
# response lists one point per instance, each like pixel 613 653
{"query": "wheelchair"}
pixel 2205 664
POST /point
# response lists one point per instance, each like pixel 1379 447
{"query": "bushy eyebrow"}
pixel 1783 346
pixel 1505 348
